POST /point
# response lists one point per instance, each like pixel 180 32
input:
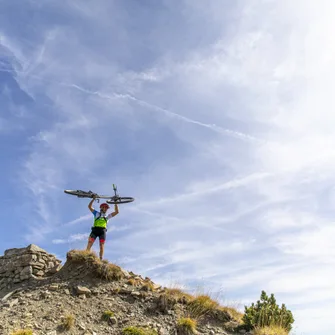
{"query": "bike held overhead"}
pixel 115 199
pixel 99 228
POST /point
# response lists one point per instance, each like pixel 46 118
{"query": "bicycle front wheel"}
pixel 120 200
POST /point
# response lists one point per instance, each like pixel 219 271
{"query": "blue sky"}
pixel 217 116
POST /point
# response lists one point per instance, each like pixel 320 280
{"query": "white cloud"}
pixel 72 238
pixel 226 145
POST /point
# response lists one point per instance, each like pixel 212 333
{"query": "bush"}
pixel 107 315
pixel 68 322
pixel 201 306
pixel 22 332
pixel 138 331
pixel 108 271
pixel 267 313
pixel 186 326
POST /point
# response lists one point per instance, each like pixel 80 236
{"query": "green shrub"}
pixel 138 331
pixel 22 332
pixel 266 312
pixel 107 315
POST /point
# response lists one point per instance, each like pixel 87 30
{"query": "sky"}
pixel 217 116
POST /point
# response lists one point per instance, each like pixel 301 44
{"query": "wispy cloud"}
pixel 222 134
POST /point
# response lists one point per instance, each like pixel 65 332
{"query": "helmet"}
pixel 104 205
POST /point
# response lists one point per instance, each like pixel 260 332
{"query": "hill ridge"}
pixel 42 295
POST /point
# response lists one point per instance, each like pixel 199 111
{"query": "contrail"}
pixel 213 127
pixel 232 184
pixel 167 112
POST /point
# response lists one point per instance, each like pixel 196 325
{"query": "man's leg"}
pixel 90 243
pixel 102 248
pixel 91 240
pixel 102 239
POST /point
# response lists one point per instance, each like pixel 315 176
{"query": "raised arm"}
pixel 116 210
pixel 90 205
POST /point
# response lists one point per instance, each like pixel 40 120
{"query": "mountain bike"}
pixel 115 199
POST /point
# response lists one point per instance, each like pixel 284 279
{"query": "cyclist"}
pixel 99 228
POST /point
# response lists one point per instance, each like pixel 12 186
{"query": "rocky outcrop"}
pixel 21 264
pixel 92 297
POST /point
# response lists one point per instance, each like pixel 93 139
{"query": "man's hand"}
pixel 91 202
pixel 116 210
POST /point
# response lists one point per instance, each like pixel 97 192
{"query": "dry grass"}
pixel 102 269
pixel 171 296
pixel 22 332
pixel 82 256
pixel 68 322
pixel 270 330
pixel 187 326
pixel 178 294
pixel 148 286
pixel 233 312
pixel 201 306
pixel 132 282
pixel 108 271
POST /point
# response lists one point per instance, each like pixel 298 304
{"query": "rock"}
pixel 12 303
pixel 39 273
pixel 45 295
pixel 54 269
pixel 156 287
pixel 20 264
pixel 8 295
pixel 37 326
pixel 125 273
pixel 81 326
pixel 113 320
pixel 83 290
pixel 54 287
pixel 135 294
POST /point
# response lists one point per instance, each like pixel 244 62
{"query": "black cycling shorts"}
pixel 98 232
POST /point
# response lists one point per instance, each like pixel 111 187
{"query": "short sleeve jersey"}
pixel 97 215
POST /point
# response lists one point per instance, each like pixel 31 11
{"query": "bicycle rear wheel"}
pixel 120 200
pixel 85 194
pixel 80 193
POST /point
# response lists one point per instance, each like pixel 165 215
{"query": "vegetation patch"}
pixel 106 315
pixel 270 330
pixel 138 331
pixel 186 326
pixel 22 332
pixel 201 306
pixel 266 313
pixel 68 322
pixel 102 269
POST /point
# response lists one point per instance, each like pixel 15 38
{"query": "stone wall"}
pixel 21 264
